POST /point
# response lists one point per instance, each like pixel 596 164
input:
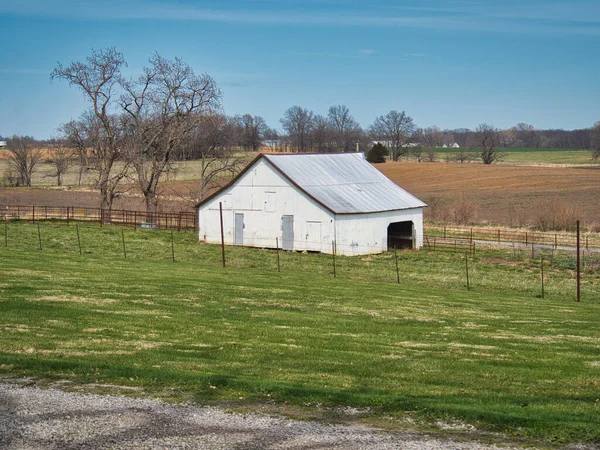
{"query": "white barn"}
pixel 308 202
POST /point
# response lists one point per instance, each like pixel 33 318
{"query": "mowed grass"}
pixel 501 359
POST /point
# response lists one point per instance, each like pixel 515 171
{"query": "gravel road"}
pixel 33 418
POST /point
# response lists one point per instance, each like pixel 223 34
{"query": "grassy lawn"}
pixel 498 356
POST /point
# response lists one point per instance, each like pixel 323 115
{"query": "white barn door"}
pixel 313 236
pixel 287 232
pixel 239 229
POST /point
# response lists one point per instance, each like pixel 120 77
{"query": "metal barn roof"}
pixel 344 183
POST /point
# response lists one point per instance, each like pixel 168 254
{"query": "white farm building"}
pixel 308 202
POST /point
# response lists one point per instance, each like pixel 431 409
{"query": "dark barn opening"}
pixel 400 235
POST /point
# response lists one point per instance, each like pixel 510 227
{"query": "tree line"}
pixel 135 128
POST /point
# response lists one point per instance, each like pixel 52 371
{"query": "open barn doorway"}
pixel 401 234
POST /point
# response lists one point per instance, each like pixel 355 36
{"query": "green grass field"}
pixel 534 155
pixel 498 357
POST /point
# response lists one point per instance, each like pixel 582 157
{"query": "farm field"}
pixel 501 193
pixel 498 357
pixel 533 156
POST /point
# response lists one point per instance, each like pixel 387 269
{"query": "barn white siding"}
pixel 264 196
pixel 359 234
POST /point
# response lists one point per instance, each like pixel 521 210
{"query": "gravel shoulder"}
pixel 34 418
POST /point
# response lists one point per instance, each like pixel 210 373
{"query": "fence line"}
pixel 527 238
pixel 180 221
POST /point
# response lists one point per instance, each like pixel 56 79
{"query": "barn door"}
pixel 239 229
pixel 287 232
pixel 313 236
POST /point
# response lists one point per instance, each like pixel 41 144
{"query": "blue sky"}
pixel 449 63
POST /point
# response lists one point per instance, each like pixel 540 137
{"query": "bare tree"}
pixel 488 138
pixel 60 159
pixel 463 155
pixel 24 156
pixel 396 130
pixel 99 79
pixel 430 155
pixel 526 135
pixel 430 137
pixel 298 122
pixel 322 134
pixel 417 153
pixel 346 130
pixel 213 142
pixel 252 131
pixel 88 137
pixel 595 140
pixel 161 108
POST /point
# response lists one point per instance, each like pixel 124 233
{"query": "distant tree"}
pixel 378 153
pixel 298 123
pixel 396 129
pixel 595 140
pixel 464 155
pixel 24 155
pixel 252 131
pixel 213 142
pixel 526 135
pixel 417 153
pixel 430 155
pixel 323 135
pixel 272 139
pixel 488 139
pixel 346 130
pixel 60 158
pixel 430 137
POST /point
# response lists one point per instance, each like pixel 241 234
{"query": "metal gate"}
pixel 287 228
pixel 239 229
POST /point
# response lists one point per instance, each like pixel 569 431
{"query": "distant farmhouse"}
pixel 313 202
pixel 2 142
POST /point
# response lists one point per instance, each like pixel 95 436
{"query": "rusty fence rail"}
pixel 552 239
pixel 181 221
pixel 439 244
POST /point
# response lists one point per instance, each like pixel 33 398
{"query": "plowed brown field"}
pixel 501 192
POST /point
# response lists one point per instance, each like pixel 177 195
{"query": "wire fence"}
pixel 490 269
pixel 500 236
pixel 181 221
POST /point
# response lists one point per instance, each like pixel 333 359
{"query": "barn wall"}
pixel 263 196
pixel 358 234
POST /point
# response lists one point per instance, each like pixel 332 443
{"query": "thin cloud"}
pixel 470 18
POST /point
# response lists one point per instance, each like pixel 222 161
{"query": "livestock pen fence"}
pixel 181 221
